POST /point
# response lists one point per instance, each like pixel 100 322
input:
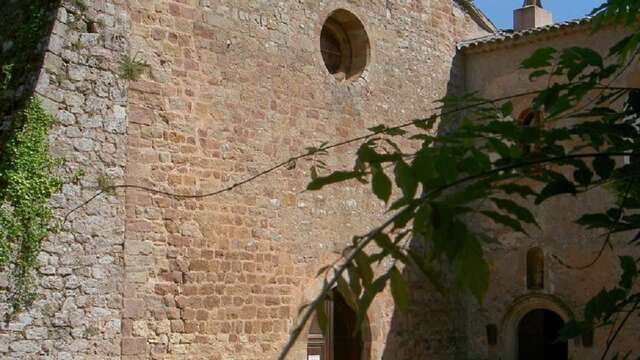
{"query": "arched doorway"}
pixel 340 341
pixel 538 332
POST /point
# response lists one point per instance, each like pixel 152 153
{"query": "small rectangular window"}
pixel 492 334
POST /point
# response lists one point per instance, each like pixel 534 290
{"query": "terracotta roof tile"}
pixel 510 35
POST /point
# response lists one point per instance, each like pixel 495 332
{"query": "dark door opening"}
pixel 340 341
pixel 346 344
pixel 538 334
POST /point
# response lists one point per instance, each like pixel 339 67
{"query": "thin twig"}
pixel 611 340
pixel 311 307
pixel 305 155
pixel 292 159
pixel 607 241
pixel 366 239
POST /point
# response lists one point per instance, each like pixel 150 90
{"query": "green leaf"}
pixel 520 212
pixel 442 236
pixel 424 168
pixel 336 177
pixel 401 202
pixel 446 167
pixel 571 329
pixel 422 219
pixel 604 166
pixel 321 315
pixel 558 187
pixel 604 304
pixel 427 270
pixel 472 270
pixel 402 219
pixel 380 183
pixel 539 59
pixel 504 220
pixel 507 109
pixel 575 60
pixel 501 148
pixel 536 74
pixel 399 290
pixel 583 176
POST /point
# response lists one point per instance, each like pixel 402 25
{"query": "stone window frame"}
pixel 360 64
pixel 529 117
pixel 535 277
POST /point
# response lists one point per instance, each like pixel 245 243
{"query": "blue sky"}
pixel 501 11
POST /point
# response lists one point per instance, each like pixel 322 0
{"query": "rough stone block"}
pixel 134 308
pixel 134 346
pixel 39 333
pixel 25 346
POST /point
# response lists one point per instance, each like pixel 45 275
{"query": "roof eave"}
pixel 478 15
pixel 504 39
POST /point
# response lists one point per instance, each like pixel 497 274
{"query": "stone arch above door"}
pixel 371 335
pixel 518 310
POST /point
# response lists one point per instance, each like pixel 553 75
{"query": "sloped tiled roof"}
pixel 504 36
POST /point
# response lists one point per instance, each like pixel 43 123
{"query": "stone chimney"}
pixel 531 15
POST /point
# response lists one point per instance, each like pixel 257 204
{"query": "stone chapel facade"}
pixel 233 87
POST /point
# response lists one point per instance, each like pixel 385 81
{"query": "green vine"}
pixel 26 186
pixel 27 179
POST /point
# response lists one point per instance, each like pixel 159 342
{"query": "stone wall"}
pixel 77 314
pixel 233 88
pixel 493 71
pixel 21 54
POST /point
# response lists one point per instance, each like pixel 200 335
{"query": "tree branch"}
pixel 295 158
pixel 607 241
pixel 311 307
pixel 366 239
pixel 612 339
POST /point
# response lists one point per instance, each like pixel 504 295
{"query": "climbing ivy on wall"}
pixel 27 179
pixel 26 185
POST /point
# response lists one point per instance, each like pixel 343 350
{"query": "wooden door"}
pixel 339 341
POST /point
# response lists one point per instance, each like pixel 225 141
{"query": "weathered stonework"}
pixel 231 89
pixel 78 311
pixel 492 70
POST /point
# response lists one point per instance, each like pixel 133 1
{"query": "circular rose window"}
pixel 344 44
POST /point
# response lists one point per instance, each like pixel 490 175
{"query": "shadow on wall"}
pixel 26 26
pixel 434 327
